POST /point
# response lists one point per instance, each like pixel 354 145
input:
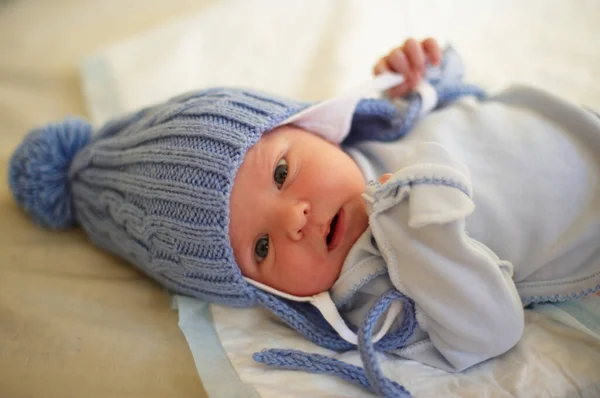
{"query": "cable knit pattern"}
pixel 154 186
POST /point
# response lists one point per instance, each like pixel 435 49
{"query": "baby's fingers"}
pixel 398 62
pixel 415 56
pixel 409 60
pixel 380 67
pixel 432 51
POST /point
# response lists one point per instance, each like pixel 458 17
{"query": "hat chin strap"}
pixel 323 302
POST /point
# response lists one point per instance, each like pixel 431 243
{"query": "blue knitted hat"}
pixel 153 187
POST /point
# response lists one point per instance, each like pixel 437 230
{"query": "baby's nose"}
pixel 294 216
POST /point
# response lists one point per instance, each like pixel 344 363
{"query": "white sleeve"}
pixel 464 294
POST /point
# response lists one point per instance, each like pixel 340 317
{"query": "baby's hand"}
pixel 409 60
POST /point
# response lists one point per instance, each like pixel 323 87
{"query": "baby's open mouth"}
pixel 332 229
pixel 337 230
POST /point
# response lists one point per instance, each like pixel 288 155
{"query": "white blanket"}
pixel 314 49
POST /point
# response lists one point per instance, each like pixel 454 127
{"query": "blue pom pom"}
pixel 39 171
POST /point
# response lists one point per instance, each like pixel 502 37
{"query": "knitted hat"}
pixel 153 187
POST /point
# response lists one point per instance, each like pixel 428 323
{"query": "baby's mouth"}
pixel 332 229
pixel 336 231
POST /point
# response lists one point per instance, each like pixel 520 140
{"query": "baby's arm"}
pixel 465 297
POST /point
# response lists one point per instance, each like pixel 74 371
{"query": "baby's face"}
pixel 296 210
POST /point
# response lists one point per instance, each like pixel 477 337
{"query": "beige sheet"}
pixel 75 321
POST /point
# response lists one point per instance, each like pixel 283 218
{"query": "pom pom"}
pixel 39 171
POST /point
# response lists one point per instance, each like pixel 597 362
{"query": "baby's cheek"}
pixel 324 272
pixel 310 274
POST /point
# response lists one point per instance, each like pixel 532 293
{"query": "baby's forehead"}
pixel 273 139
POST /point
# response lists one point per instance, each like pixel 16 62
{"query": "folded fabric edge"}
pixel 218 376
pixel 99 91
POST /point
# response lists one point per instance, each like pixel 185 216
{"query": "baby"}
pixel 243 198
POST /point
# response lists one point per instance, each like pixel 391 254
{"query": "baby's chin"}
pixel 307 291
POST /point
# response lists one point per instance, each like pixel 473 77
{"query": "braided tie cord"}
pixel 380 384
pixel 371 377
pixel 313 328
pixel 312 363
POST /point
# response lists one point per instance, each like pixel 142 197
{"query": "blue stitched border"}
pixel 560 297
pixel 397 185
pixel 358 285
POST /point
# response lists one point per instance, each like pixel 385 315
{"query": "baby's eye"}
pixel 280 174
pixel 261 248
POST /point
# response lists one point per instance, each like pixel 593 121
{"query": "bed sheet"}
pixel 322 48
